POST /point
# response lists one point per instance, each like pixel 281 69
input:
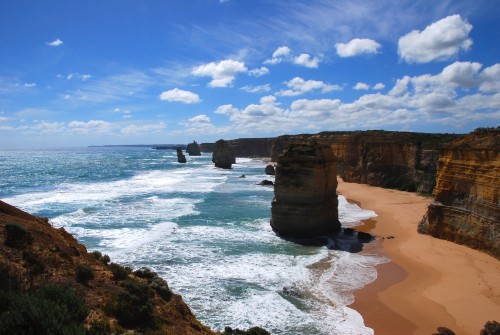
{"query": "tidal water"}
pixel 205 230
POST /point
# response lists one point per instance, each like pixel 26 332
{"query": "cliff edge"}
pixel 466 209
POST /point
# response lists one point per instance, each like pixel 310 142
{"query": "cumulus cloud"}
pixel 222 73
pixel 179 95
pixel 307 61
pixel 298 86
pixel 490 79
pixel 441 40
pixel 361 86
pixel 55 43
pixel 378 86
pixel 147 128
pixel 259 71
pixel 279 55
pixel 357 46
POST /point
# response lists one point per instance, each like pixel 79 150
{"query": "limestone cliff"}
pixel 181 158
pixel 400 160
pixel 466 207
pixel 223 155
pixel 305 200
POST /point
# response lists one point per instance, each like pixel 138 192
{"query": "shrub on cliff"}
pixel 250 331
pixel 84 274
pixel 52 309
pixel 119 272
pixel 16 236
pixel 133 308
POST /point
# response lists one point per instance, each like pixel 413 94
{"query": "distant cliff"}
pixel 399 160
pixel 466 208
pixel 305 199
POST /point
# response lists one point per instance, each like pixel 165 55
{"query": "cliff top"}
pixel 481 138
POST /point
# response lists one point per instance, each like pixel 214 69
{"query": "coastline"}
pixel 428 282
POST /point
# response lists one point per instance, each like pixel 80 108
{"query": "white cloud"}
pixel 307 61
pixel 29 85
pixel 202 118
pixel 256 89
pixel 361 86
pixel 143 128
pixel 226 110
pixel 180 96
pixel 357 46
pixel 490 79
pixel 305 108
pixel 441 40
pixel 222 73
pixel 378 86
pixel 55 43
pixel 259 71
pixel 90 127
pixel 279 55
pixel 298 86
pixel 82 77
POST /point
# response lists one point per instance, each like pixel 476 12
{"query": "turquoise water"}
pixel 205 230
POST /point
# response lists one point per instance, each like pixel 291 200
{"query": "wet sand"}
pixel 429 282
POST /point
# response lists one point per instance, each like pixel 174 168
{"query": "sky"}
pixel 102 72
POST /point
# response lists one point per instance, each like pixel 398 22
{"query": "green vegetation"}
pixel 84 274
pixel 119 272
pixel 16 236
pixel 52 309
pixel 134 307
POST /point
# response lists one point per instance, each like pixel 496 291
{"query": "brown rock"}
pixel 270 170
pixel 180 156
pixel 305 203
pixel 466 208
pixel 223 155
pixel 193 149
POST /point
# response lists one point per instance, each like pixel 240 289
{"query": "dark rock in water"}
pixel 242 176
pixel 180 156
pixel 305 200
pixel 491 328
pixel 349 231
pixel 270 170
pixel 364 236
pixel 266 183
pixel 193 149
pixel 292 291
pixel 223 155
pixel 444 331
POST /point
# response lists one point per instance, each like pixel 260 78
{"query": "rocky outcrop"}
pixel 270 170
pixel 83 291
pixel 193 149
pixel 252 147
pixel 466 207
pixel 305 199
pixel 223 155
pixel 399 160
pixel 181 158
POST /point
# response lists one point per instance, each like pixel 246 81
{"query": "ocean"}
pixel 203 229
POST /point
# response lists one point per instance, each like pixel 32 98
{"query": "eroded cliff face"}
pixel 305 203
pixel 466 208
pixel 400 160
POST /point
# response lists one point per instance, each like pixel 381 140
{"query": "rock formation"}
pixel 223 155
pixel 305 199
pixel 193 149
pixel 270 170
pixel 400 160
pixel 180 156
pixel 466 207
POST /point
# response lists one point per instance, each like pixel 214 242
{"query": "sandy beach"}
pixel 428 282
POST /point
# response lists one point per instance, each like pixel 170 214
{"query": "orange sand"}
pixel 429 282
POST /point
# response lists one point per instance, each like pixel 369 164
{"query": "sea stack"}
pixel 180 156
pixel 305 199
pixel 223 155
pixel 467 190
pixel 193 149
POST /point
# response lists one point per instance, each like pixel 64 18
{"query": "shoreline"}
pixel 428 282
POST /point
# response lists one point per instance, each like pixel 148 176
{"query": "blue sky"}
pixel 77 73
